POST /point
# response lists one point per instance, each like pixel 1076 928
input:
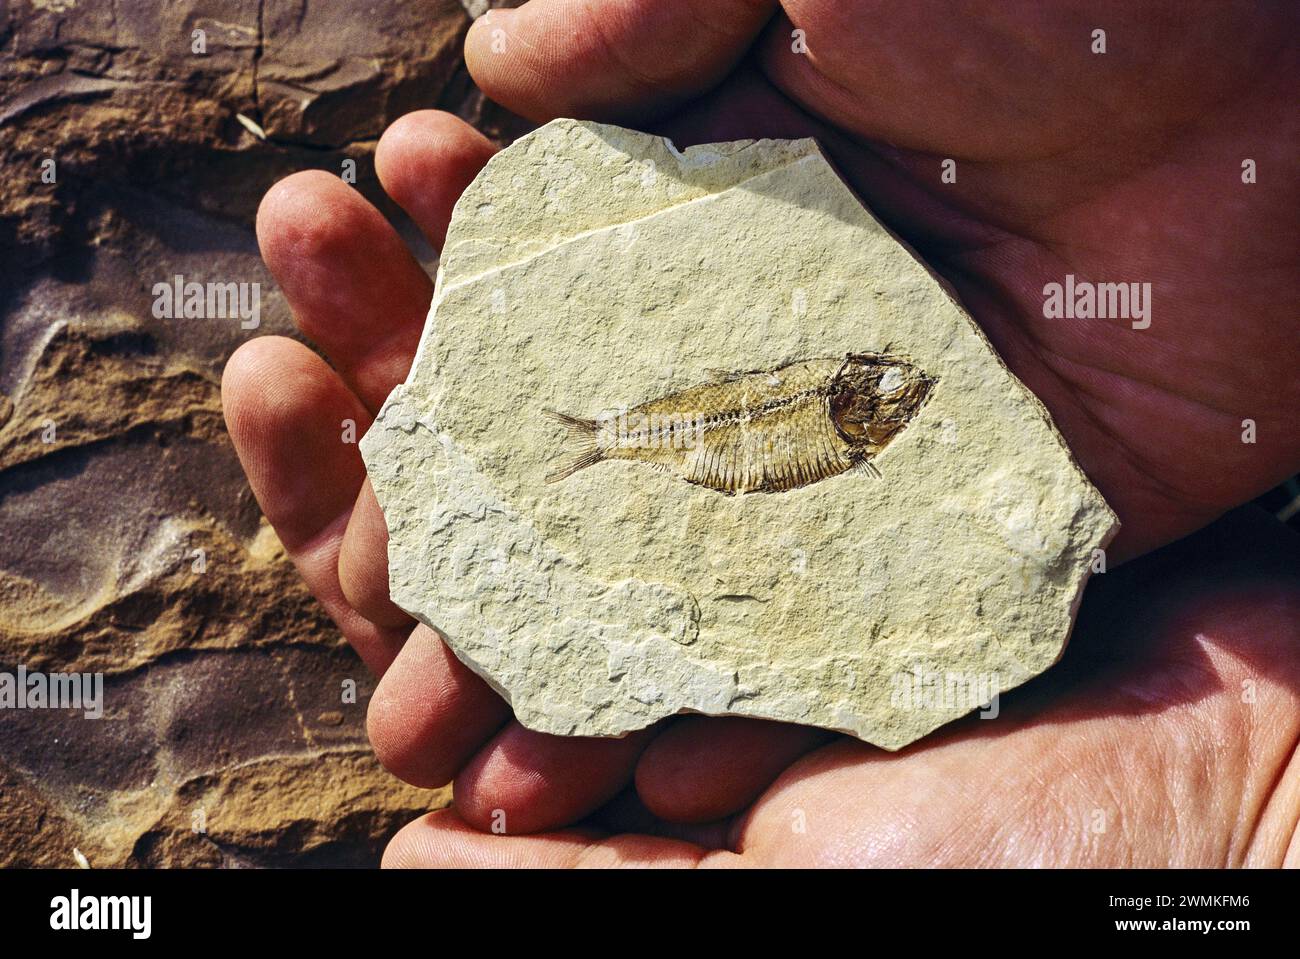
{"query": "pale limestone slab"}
pixel 590 267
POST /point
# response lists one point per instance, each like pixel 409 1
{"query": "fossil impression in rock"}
pixel 760 431
pixel 603 275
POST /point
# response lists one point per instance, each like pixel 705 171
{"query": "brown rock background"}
pixel 129 542
pixel 226 740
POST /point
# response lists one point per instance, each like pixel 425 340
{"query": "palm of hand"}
pixel 1072 178
pixel 1072 162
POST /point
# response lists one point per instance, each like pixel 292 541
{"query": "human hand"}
pixel 1167 736
pixel 1153 415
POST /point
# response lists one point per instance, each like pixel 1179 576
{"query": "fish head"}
pixel 874 396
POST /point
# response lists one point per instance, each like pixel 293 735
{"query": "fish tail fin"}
pixel 574 424
pixel 584 450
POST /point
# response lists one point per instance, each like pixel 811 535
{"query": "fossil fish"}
pixel 761 431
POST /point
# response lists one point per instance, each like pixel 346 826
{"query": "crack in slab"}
pixel 614 227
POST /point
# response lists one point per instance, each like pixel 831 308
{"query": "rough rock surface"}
pixel 223 681
pixel 589 268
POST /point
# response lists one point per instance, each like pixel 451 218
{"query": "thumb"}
pixel 609 59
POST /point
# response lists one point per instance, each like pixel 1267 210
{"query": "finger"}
pixel 443 840
pixel 524 781
pixel 284 409
pixel 430 713
pixel 609 59
pixel 425 160
pixel 702 768
pixel 363 563
pixel 354 287
pixel 626 813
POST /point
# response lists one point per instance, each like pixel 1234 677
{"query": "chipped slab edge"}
pixel 537 719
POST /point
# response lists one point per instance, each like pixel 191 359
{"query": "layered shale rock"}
pixel 764 571
pixel 130 544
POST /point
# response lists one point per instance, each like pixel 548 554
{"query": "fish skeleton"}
pixel 760 431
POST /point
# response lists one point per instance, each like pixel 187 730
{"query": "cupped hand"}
pixel 1123 166
pixel 1166 737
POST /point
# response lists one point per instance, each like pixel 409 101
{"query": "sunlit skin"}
pixel 1169 732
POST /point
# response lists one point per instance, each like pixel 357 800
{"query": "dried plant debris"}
pixel 601 275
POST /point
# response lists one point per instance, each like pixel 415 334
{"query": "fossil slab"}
pixel 689 431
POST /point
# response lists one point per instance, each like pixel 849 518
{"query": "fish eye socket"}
pixel 891 381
